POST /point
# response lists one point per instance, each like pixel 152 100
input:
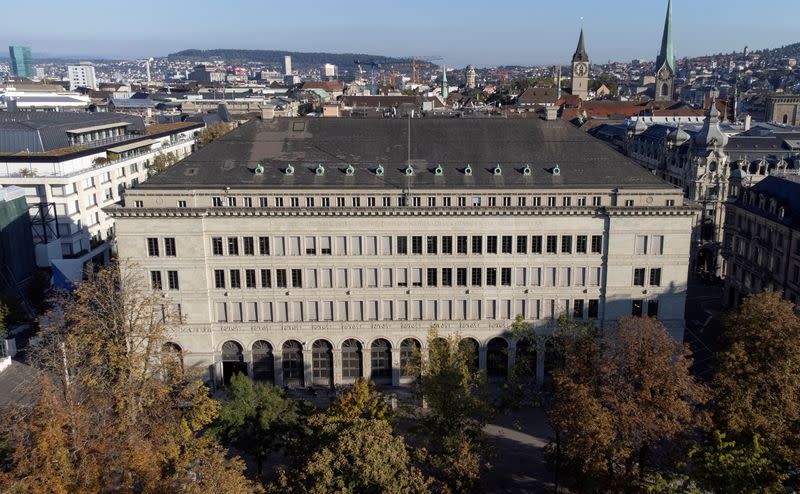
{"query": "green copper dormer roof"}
pixel 667 53
pixel 580 52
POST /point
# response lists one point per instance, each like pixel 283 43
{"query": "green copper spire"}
pixel 667 53
pixel 445 91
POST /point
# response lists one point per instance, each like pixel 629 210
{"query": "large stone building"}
pixel 313 251
pixel 762 239
pixel 783 109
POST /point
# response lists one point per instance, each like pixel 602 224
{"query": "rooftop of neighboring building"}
pixel 366 144
pixel 784 189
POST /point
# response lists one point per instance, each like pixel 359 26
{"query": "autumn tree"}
pixel 258 418
pixel 621 402
pixel 354 450
pixel 757 383
pixel 212 133
pixel 114 411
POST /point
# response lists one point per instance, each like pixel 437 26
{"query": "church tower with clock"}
pixel 580 71
pixel 665 63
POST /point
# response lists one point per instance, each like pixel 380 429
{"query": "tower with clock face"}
pixel 580 71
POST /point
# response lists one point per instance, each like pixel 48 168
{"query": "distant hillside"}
pixel 274 57
pixel 788 51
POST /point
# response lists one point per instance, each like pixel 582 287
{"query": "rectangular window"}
pixel 550 277
pixel 263 246
pixel 295 202
pixel 236 278
pixel 658 245
pixel 222 312
pixel 476 276
pixel 219 278
pixel 566 244
pixel 386 277
pixel 461 244
pixel 431 202
pixel 462 201
pixel 341 246
pixel 536 277
pixel 638 277
pixel 566 201
pixel 248 202
pixel 477 244
pixel 597 201
pixel 297 278
pixel 491 276
pixel 248 246
pixel 233 246
pixel 640 248
pixel 311 246
pixel 581 244
pixel 536 244
pixel 232 202
pixel 152 247
pixel 522 244
pixel 266 278
pixel 169 247
pixel 372 277
pixel 552 244
pixel 236 312
pixel 447 245
pixel 155 280
pixel 519 277
pixel 636 308
pixel 402 277
pixel 652 308
pixel 461 276
pixel 432 278
pixel 294 246
pixel 505 276
pixel 172 280
pixel 655 277
pixel 597 244
pixel 446 201
pixel 551 202
pixel 506 245
pixel 564 277
pixel 416 276
pixel 594 276
pixel 181 204
pixel 416 244
pixel 491 244
pixel 594 308
pixel 279 202
pixel 280 278
pixel 582 201
pixel 325 246
pixel 447 276
pixel 629 202
pixel 432 245
pixel 402 245
pixel 250 278
pixel 577 309
pixel 263 202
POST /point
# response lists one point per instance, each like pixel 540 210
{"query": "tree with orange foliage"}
pixel 621 402
pixel 114 411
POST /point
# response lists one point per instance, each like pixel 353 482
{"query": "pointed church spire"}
pixel 580 52
pixel 667 53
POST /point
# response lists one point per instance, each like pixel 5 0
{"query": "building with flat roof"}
pixel 314 251
pixel 82 76
pixel 21 61
pixel 70 165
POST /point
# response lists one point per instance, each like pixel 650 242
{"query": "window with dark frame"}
pixel 581 244
pixel 491 276
pixel 594 308
pixel 219 278
pixel 432 278
pixel 155 280
pixel 416 244
pixel 652 308
pixel 522 244
pixel 638 277
pixel 216 246
pixel 461 244
pixel 506 245
pixel 169 247
pixel 280 278
pixel 447 276
pixel 263 246
pixel 447 245
pixel 402 245
pixel 250 278
pixel 566 244
pixel 491 244
pixel 152 247
pixel 266 278
pixel 636 308
pixel 248 246
pixel 477 244
pixel 476 276
pixel 172 280
pixel 461 276
pixel 597 244
pixel 655 277
pixel 536 244
pixel 432 245
pixel 297 278
pixel 552 244
pixel 233 246
pixel 235 278
pixel 505 276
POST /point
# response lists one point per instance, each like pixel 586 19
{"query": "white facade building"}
pixel 68 186
pixel 82 75
pixel 316 251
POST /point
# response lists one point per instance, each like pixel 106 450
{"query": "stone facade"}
pixel 600 253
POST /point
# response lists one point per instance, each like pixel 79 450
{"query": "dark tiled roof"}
pixel 364 143
pixel 785 190
pixel 46 131
pixel 538 96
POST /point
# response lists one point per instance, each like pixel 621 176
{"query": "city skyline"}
pixel 523 34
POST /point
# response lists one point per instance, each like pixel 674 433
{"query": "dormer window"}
pixel 781 212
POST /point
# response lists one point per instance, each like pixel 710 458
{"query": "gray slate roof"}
pixel 452 143
pixel 45 131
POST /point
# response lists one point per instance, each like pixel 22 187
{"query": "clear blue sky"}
pixel 484 33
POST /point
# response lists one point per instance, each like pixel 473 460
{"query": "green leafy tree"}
pixel 353 456
pixel 723 467
pixel 162 161
pixel 458 409
pixel 757 384
pixel 258 418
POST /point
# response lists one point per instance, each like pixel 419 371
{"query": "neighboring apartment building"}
pixel 762 239
pixel 314 251
pixel 82 75
pixel 70 165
